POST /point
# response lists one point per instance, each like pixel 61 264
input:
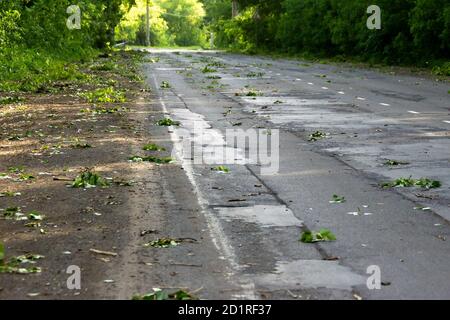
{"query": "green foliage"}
pixel 88 180
pixel 153 147
pixel 173 23
pixel 15 265
pixel 221 169
pixel 37 48
pixel 413 31
pixel 410 182
pixel 104 95
pixel 313 236
pixel 167 122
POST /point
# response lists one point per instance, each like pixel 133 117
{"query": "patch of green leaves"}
pixel 25 177
pixel 390 162
pixel 255 74
pixel 153 147
pixel 9 194
pixel 165 85
pixel 221 169
pixel 105 95
pixel 313 236
pixel 107 66
pixel 89 179
pixel 318 135
pixel 252 93
pixel 427 183
pixel 410 182
pixel 167 122
pixel 13 213
pixel 207 69
pixel 15 264
pixel 337 199
pixel 10 100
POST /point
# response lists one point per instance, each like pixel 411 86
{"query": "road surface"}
pixel 255 213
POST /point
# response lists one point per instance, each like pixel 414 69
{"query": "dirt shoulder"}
pixel 50 139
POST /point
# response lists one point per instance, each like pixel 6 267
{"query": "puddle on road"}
pixel 311 274
pixel 266 216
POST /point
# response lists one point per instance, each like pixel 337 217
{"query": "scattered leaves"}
pixel 318 135
pixel 89 179
pixel 15 264
pixel 221 169
pixel 395 163
pixel 337 199
pixel 313 236
pixel 167 122
pixel 153 147
pixel 165 85
pixel 410 182
pixel 104 95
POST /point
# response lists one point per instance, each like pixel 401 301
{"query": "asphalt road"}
pixel 256 212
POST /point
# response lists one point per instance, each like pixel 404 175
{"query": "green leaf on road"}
pixel 313 236
pixel 167 122
pixel 89 180
pixel 395 163
pixel 318 135
pixel 221 169
pixel 337 199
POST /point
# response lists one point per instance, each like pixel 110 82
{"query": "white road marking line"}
pixel 385 104
pixel 413 112
pixel 310 83
pixel 361 98
pixel 341 92
pixel 325 88
pixel 446 121
pixel 298 79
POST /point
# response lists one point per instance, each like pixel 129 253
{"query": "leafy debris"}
pixel 337 199
pixel 221 169
pixel 153 147
pixel 15 264
pixel 395 163
pixel 410 182
pixel 167 122
pixel 89 179
pixel 313 236
pixel 163 243
pixel 165 85
pixel 318 135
